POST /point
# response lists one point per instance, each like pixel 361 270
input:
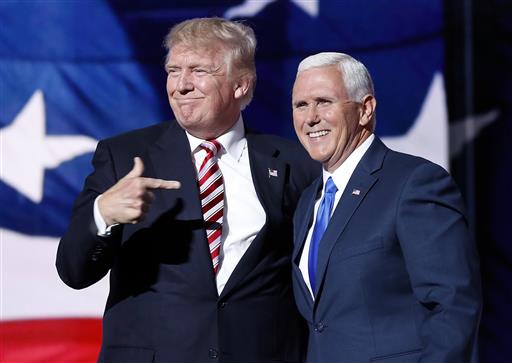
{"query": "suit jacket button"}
pixel 223 304
pixel 96 254
pixel 213 353
pixel 319 327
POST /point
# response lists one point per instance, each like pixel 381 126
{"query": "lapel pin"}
pixel 272 172
pixel 356 192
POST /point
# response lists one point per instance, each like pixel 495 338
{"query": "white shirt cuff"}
pixel 103 229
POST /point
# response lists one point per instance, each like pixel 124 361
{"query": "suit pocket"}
pixel 127 355
pixel 342 251
pixel 411 356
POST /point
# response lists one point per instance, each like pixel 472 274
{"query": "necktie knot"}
pixel 330 187
pixel 211 146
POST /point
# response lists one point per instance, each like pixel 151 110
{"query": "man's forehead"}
pixel 318 84
pixel 318 76
pixel 327 71
pixel 204 51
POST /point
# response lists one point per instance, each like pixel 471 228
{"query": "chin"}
pixel 316 154
pixel 317 157
pixel 188 121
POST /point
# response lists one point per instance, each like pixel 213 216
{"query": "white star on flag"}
pixel 26 151
pixel 428 136
pixel 252 7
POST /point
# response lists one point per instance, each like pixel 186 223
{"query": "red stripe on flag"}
pixel 50 340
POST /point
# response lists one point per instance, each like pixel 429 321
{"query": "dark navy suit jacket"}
pixel 163 304
pixel 397 274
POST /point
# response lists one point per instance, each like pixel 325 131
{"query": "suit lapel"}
pixel 268 175
pixel 170 158
pixel 358 186
pixel 304 219
pixel 302 223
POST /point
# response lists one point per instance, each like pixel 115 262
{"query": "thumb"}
pixel 137 170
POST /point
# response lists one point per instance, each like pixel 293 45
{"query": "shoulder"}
pixel 281 147
pixel 301 169
pixel 398 163
pixel 142 136
pixel 400 170
pixel 419 176
pixel 407 164
pixel 274 140
pixel 289 151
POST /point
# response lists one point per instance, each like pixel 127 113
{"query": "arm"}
pixel 84 257
pixel 442 262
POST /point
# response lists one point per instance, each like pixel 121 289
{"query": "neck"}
pixel 349 149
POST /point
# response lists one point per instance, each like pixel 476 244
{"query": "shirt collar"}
pixel 345 170
pixel 232 141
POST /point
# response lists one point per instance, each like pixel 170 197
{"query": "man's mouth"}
pixel 316 134
pixel 186 100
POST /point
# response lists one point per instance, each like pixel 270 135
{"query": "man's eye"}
pixel 301 105
pixel 200 71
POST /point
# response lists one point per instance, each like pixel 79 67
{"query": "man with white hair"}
pixel 384 268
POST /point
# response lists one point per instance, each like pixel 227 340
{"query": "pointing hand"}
pixel 129 199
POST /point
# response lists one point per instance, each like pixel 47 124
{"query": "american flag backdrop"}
pixel 75 71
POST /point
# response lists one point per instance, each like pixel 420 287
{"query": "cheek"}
pixel 298 119
pixel 200 84
pixel 207 86
pixel 170 85
pixel 225 92
pixel 301 135
pixel 295 122
pixel 331 116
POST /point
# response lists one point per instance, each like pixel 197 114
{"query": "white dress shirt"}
pixel 244 215
pixel 340 177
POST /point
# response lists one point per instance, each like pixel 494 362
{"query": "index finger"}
pixel 153 183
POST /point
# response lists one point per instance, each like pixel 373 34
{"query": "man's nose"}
pixel 185 83
pixel 312 116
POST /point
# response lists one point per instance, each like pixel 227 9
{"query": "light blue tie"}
pixel 322 219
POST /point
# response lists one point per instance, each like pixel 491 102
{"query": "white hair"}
pixel 355 76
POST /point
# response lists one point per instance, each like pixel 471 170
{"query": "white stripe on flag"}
pixel 31 287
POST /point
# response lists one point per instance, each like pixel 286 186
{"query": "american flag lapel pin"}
pixel 356 192
pixel 272 172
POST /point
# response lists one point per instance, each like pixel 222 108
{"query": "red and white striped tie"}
pixel 211 191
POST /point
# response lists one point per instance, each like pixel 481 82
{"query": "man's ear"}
pixel 242 87
pixel 369 103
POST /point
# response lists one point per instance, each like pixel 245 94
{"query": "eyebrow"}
pixel 295 102
pixel 315 99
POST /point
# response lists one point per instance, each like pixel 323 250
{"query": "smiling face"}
pixel 328 124
pixel 205 99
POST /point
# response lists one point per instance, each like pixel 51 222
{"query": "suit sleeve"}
pixel 83 257
pixel 442 262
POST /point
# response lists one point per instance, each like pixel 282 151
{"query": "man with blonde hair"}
pixel 193 218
